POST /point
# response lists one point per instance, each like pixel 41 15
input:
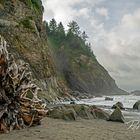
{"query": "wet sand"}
pixel 53 129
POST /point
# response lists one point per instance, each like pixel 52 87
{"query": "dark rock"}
pixel 117 116
pixel 119 105
pixel 73 102
pixel 137 105
pixel 108 99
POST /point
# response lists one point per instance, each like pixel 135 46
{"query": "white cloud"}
pixel 119 50
pixel 102 12
pixel 67 10
pixel 62 10
pixel 83 12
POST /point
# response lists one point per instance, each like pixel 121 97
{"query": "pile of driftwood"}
pixel 20 106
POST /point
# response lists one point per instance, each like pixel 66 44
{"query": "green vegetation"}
pixel 35 4
pixel 26 23
pixel 74 38
pixel 27 2
pixel 1 1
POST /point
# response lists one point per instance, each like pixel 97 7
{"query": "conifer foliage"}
pixel 73 37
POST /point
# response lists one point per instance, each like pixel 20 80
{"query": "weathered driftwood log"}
pixel 134 124
pixel 20 106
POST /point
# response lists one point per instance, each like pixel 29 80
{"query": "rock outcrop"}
pixel 119 105
pixel 117 116
pixel 22 27
pixel 74 112
pixel 137 105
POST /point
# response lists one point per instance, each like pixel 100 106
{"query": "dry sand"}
pixel 52 129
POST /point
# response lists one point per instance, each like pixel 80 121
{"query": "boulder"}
pixel 73 112
pixel 119 105
pixel 117 116
pixel 83 111
pixel 62 113
pixel 137 105
pixel 108 99
pixel 73 102
pixel 90 112
pixel 69 115
pixel 99 113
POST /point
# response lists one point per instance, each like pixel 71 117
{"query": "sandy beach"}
pixel 53 129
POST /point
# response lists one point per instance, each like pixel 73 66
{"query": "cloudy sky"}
pixel 113 27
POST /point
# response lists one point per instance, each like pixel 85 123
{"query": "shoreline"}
pixel 129 113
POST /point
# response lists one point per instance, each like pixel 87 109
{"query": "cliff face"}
pixel 20 24
pixel 22 27
pixel 83 73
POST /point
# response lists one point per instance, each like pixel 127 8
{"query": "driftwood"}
pixel 20 106
pixel 133 124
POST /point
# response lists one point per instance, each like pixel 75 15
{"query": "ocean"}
pixel 127 100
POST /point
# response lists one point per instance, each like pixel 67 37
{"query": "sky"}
pixel 113 27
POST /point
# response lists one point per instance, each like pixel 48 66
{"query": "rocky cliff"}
pixel 22 27
pixel 82 72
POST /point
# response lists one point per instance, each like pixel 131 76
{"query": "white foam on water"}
pixel 127 100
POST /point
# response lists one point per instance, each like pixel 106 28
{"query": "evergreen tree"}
pixel 47 27
pixel 74 28
pixel 84 36
pixel 74 38
pixel 53 26
pixel 61 31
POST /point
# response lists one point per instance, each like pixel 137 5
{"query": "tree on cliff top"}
pixel 53 26
pixel 60 32
pixel 74 28
pixel 72 38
